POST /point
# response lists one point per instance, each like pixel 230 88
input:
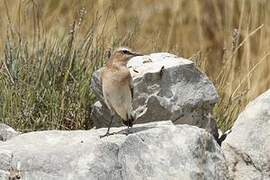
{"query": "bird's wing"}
pixel 127 78
pixel 131 87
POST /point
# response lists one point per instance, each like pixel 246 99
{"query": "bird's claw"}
pixel 105 135
pixel 125 133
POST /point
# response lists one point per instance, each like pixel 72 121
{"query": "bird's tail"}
pixel 130 120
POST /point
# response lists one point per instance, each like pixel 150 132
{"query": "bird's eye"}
pixel 125 51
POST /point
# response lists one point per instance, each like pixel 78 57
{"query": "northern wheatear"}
pixel 117 86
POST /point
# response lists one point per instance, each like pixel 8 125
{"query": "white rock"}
pixel 7 132
pixel 155 151
pixel 180 92
pixel 247 147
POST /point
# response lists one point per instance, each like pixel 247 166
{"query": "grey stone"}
pixel 158 151
pixel 180 92
pixel 247 147
pixel 7 132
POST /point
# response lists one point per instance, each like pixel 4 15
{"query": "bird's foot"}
pixel 107 134
pixel 125 131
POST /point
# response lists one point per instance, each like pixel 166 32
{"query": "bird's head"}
pixel 123 55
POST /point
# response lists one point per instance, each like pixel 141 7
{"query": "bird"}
pixel 117 87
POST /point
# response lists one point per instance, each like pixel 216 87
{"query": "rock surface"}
pixel 7 132
pixel 179 92
pixel 247 147
pixel 158 150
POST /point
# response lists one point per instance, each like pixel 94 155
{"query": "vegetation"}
pixel 49 49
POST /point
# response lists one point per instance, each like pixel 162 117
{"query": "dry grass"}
pixel 50 48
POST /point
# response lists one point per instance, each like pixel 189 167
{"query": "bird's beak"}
pixel 136 54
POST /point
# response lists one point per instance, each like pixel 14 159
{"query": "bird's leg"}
pixel 128 128
pixel 127 131
pixel 108 130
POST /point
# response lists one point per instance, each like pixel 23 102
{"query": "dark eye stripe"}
pixel 126 52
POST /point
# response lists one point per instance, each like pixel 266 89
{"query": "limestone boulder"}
pixel 7 132
pixel 247 147
pixel 157 151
